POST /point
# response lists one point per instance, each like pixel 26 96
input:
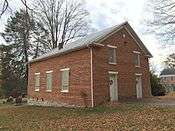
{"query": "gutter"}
pixel 92 83
pixel 90 46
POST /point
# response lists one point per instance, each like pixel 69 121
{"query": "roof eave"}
pixel 62 53
pixel 149 56
pixel 57 54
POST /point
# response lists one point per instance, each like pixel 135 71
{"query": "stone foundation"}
pixel 48 103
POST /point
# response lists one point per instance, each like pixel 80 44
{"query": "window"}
pixel 112 55
pixel 64 80
pixel 37 81
pixel 49 80
pixel 172 78
pixel 165 78
pixel 168 78
pixel 137 59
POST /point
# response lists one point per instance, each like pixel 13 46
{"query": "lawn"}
pixel 131 116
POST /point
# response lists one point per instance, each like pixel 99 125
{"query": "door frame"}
pixel 139 75
pixel 116 74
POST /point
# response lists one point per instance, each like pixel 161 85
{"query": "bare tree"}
pixel 163 21
pixel 5 5
pixel 64 20
pixel 170 62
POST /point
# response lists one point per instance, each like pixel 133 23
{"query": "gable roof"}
pixel 92 39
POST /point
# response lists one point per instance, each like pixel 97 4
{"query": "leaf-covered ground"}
pixel 122 117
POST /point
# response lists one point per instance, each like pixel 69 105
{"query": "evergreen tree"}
pixel 26 39
pixel 10 72
pixel 17 33
pixel 157 88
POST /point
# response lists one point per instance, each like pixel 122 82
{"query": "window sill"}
pixel 48 90
pixel 36 90
pixel 64 91
pixel 113 63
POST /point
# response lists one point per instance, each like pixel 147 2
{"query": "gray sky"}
pixel 105 13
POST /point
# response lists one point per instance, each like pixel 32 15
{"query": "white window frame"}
pixel 38 73
pixel 48 72
pixel 113 47
pixel 138 58
pixel 61 70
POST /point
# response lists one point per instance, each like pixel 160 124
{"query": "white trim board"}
pixel 138 74
pixel 166 75
pixel 64 91
pixel 48 90
pixel 112 63
pixel 136 52
pixel 37 90
pixel 112 72
pixel 38 73
pixel 111 46
pixel 65 69
pixel 49 71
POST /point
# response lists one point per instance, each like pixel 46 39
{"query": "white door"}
pixel 113 87
pixel 139 87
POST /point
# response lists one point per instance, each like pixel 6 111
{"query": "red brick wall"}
pixel 125 68
pixel 79 64
pixel 80 72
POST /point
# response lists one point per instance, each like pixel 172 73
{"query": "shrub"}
pixel 157 89
pixel 18 100
pixel 10 99
pixel 1 93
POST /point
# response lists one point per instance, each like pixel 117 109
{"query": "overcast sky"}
pixel 106 13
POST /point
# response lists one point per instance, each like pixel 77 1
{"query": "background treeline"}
pixel 32 31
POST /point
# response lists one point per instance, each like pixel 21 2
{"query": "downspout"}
pixel 92 90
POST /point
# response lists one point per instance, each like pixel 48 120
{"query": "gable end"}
pixel 132 33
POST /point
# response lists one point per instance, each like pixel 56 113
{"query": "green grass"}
pixel 131 116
